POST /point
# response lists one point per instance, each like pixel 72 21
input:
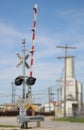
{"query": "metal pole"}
pixel 65 85
pixel 49 96
pixel 57 94
pixel 23 49
pixel 13 92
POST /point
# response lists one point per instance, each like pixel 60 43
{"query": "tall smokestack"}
pixel 70 67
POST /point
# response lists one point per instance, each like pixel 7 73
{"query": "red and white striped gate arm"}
pixel 33 38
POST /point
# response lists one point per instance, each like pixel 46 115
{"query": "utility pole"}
pixel 49 96
pixel 58 90
pixel 13 92
pixel 66 47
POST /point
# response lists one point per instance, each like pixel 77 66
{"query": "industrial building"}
pixel 71 100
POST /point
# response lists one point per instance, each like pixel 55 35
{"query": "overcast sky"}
pixel 59 22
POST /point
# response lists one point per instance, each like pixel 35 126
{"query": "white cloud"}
pixel 9 36
pixel 76 15
pixel 7 30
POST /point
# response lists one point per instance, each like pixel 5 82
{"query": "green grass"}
pixel 7 126
pixel 70 119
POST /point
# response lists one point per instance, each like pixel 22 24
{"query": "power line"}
pixel 40 90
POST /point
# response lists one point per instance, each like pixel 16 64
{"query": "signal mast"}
pixel 30 79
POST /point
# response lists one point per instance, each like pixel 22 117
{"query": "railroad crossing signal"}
pixel 31 81
pixel 21 61
pixel 18 80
